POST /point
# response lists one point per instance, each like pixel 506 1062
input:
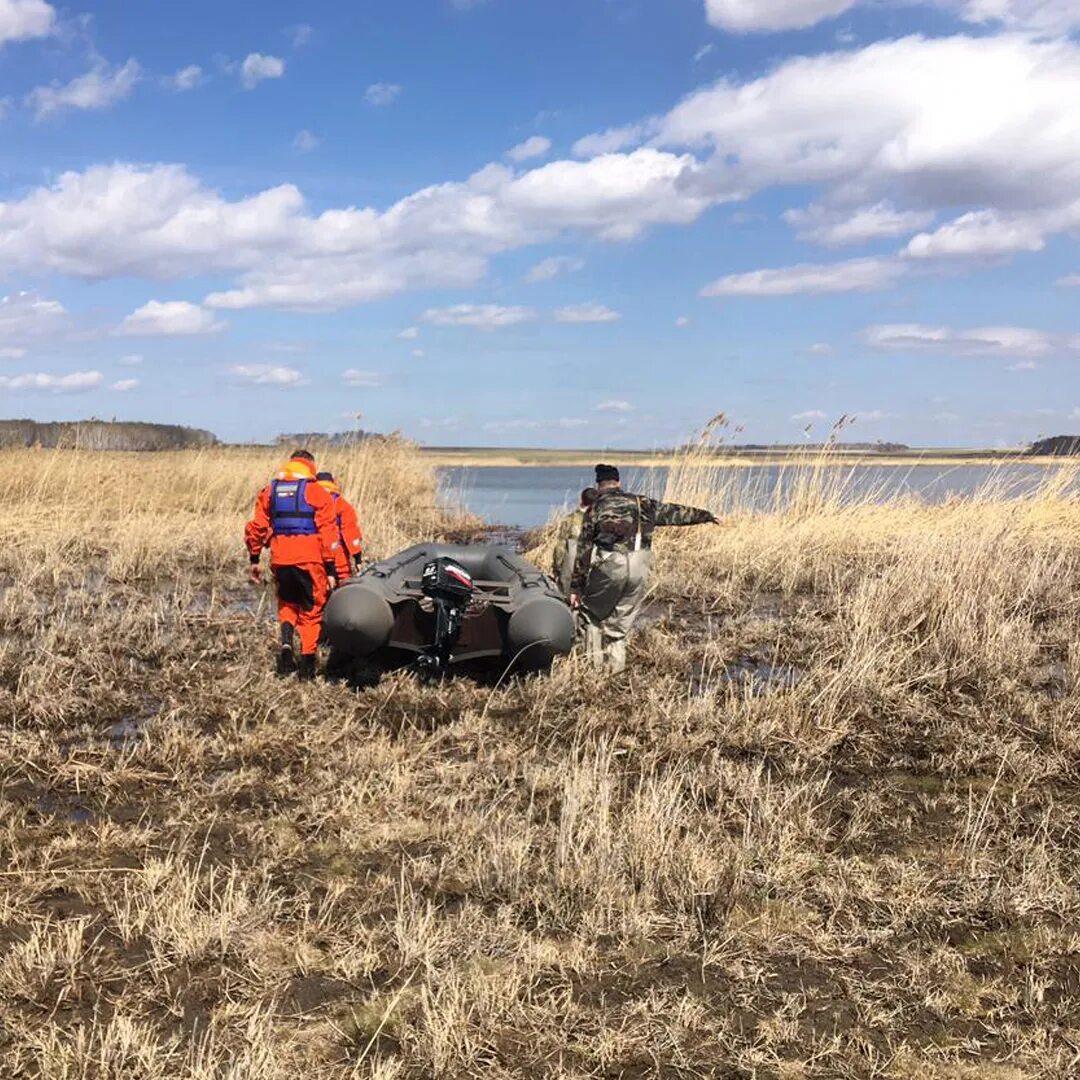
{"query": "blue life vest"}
pixel 290 512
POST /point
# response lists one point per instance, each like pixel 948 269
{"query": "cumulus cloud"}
pixel 586 313
pixel 101 87
pixel 836 228
pixel 614 405
pixel 682 322
pixel 124 385
pixel 364 379
pixel 256 67
pixel 745 16
pixel 21 20
pixel 161 222
pixel 26 315
pixel 410 333
pixel 980 341
pixel 74 383
pixel 982 234
pixel 609 142
pixel 550 268
pixel 758 15
pixel 813 279
pixel 172 318
pixel 305 141
pixel 265 374
pixel 186 78
pixel 485 316
pixel 382 93
pixel 533 147
pixel 1069 281
pixel 11 352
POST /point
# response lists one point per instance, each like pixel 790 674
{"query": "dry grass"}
pixel 827 827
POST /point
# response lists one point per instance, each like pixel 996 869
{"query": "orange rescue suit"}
pixel 350 537
pixel 302 564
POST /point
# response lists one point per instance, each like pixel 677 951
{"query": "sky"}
pixel 566 223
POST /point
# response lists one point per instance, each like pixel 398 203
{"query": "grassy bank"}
pixel 827 826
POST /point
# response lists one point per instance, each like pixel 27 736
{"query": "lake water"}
pixel 527 497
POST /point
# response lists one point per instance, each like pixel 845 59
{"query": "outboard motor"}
pixel 449 587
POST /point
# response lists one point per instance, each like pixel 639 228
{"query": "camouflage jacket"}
pixel 566 545
pixel 614 521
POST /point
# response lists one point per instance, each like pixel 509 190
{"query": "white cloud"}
pixel 757 15
pixel 381 93
pixel 74 383
pixel 100 88
pixel 1069 281
pixel 265 374
pixel 172 318
pixel 124 385
pixel 26 315
pixel 1053 16
pixel 809 414
pixel 703 52
pixel 186 78
pixel 131 360
pixel 855 275
pixel 418 353
pixel 610 141
pixel 980 234
pixel 161 222
pixel 886 124
pixel 256 67
pixel 819 348
pixel 980 341
pixel 21 20
pixel 305 141
pixel 486 316
pixel 833 228
pixel 682 322
pixel 871 416
pixel 11 352
pixel 550 268
pixel 614 405
pixel 410 333
pixel 533 147
pixel 1024 365
pixel 586 313
pixel 364 379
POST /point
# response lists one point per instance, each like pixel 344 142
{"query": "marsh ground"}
pixel 826 827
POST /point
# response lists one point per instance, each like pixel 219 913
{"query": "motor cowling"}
pixel 449 587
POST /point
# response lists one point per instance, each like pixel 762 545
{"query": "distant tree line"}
pixel 103 435
pixel 1056 446
pixel 325 438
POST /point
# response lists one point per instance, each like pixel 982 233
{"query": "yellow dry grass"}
pixel 826 827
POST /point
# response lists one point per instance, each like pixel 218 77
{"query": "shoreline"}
pixel 635 459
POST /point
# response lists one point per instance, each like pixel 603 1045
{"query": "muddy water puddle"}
pixel 747 675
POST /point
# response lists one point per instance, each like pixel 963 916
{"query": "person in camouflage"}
pixel 614 557
pixel 566 542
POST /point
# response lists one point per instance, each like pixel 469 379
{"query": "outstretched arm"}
pixel 674 514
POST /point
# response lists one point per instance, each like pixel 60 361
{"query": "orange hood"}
pixel 296 469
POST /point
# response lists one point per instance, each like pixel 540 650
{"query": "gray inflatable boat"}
pixel 440 604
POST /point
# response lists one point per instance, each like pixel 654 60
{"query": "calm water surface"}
pixel 526 497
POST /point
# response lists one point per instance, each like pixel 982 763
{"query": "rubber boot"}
pixel 286 663
pixel 306 671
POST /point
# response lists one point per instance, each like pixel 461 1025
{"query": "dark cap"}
pixel 302 455
pixel 324 476
pixel 605 473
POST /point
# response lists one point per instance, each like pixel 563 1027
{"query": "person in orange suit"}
pixel 297 520
pixel 350 538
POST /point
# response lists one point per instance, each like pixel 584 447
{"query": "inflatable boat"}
pixel 436 605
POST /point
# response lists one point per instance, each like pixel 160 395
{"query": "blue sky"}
pixel 507 222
